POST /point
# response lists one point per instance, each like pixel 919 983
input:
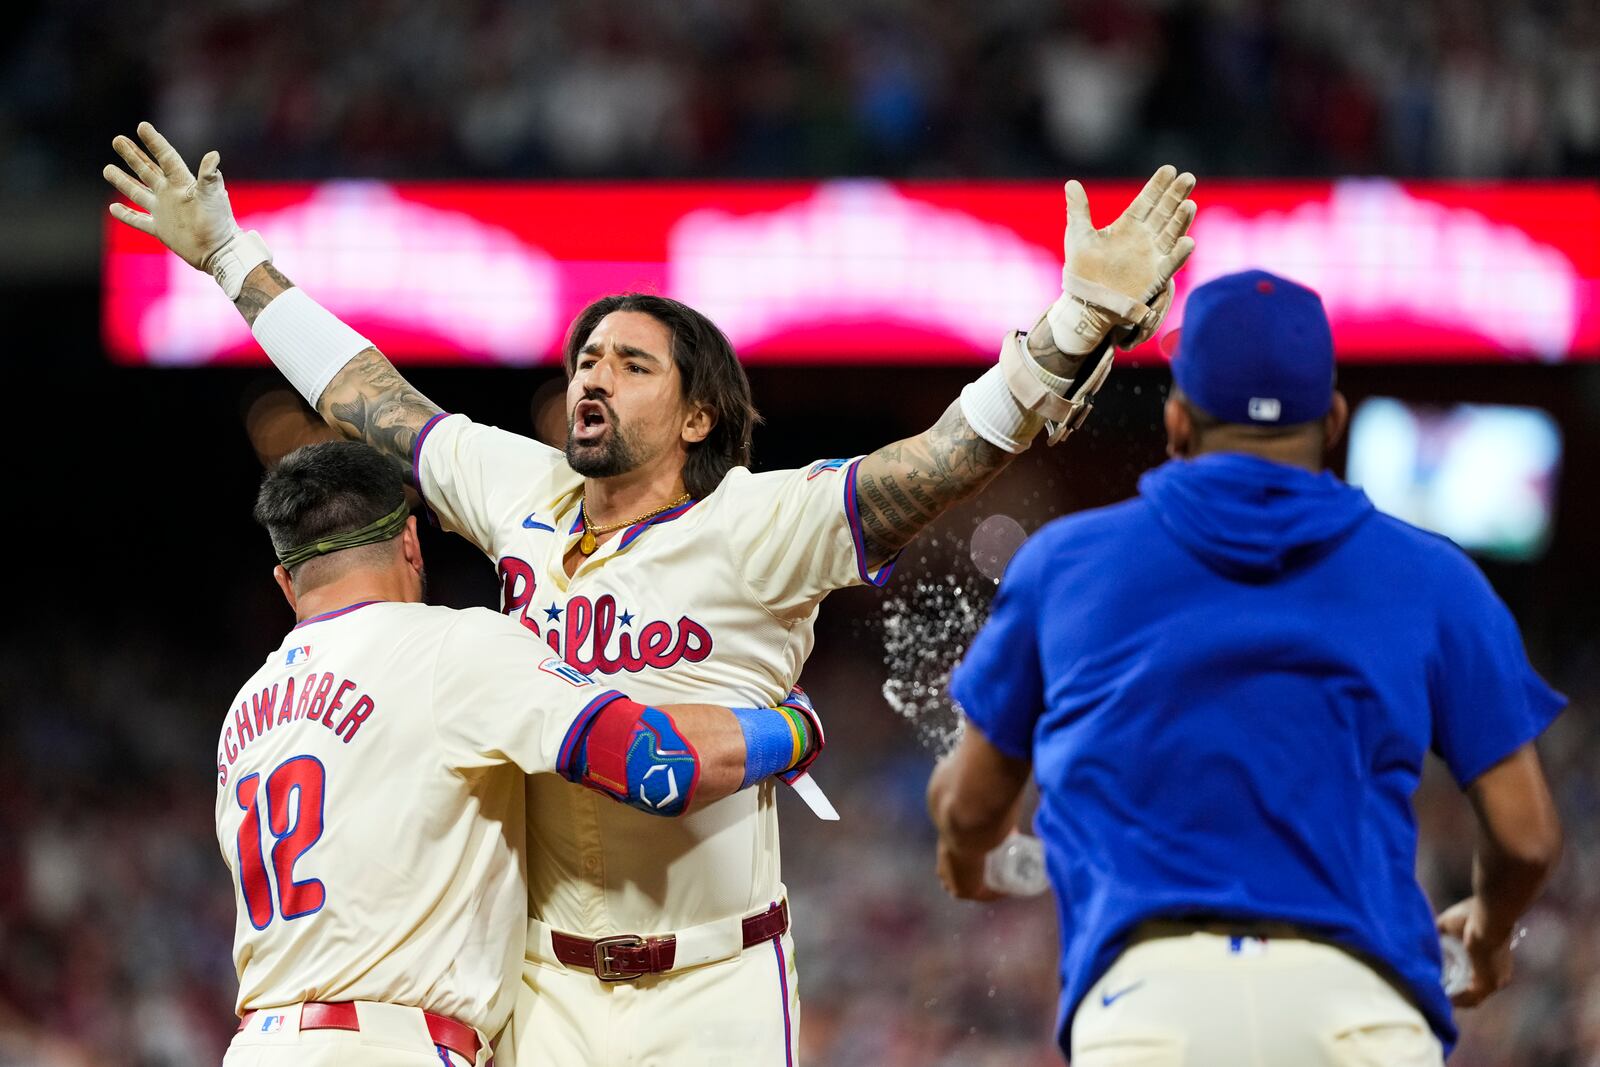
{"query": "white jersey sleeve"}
pixel 799 534
pixel 501 697
pixel 472 476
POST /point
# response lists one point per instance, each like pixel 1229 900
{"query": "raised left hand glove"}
pixel 1116 287
pixel 1119 278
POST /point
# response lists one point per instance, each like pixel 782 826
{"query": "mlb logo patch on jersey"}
pixel 822 466
pixel 566 672
pixel 271 1024
pixel 298 654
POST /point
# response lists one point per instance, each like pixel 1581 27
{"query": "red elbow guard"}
pixel 633 753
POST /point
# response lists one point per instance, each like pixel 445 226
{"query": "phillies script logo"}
pixel 592 635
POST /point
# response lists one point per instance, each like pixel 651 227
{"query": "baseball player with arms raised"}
pixel 651 550
pixel 370 784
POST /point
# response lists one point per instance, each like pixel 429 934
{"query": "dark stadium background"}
pixel 140 593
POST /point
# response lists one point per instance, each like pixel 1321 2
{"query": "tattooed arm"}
pixel 368 400
pixel 903 487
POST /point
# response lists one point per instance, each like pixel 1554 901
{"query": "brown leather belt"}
pixel 624 957
pixel 1262 929
pixel 314 1015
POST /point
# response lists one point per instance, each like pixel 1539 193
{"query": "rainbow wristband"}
pixel 775 739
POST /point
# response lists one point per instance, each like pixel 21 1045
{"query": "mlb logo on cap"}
pixel 1265 409
pixel 1256 349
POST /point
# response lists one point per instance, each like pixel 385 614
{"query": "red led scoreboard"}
pixel 866 271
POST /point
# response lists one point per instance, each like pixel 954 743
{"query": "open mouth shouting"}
pixel 590 421
pixel 597 444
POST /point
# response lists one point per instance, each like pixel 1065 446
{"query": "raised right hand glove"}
pixel 189 214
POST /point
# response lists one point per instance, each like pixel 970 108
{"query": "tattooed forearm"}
pixel 369 401
pixel 903 487
pixel 260 286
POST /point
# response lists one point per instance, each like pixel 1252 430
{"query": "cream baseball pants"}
pixel 1211 1000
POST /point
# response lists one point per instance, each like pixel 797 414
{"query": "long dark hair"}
pixel 710 373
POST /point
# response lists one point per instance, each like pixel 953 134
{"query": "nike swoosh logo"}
pixel 529 524
pixel 1108 999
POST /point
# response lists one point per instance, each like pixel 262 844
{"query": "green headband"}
pixel 370 534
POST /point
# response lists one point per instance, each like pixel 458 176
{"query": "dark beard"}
pixel 615 455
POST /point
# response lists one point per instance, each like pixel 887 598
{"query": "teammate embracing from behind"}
pixel 649 548
pixel 370 784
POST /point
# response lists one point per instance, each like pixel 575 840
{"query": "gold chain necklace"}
pixel 587 543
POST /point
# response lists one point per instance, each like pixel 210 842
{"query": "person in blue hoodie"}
pixel 1225 689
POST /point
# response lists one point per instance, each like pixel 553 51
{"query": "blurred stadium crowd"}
pixel 116 916
pixel 710 88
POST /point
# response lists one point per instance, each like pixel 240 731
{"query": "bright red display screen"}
pixel 866 271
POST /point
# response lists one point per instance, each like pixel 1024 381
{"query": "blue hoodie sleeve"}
pixel 1487 699
pixel 999 683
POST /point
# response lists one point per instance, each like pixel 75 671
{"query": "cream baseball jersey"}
pixel 370 794
pixel 715 598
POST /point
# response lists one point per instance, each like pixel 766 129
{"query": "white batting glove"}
pixel 189 214
pixel 1118 278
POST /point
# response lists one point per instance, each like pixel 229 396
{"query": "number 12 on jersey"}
pixel 292 797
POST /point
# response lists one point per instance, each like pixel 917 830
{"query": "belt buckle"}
pixel 604 969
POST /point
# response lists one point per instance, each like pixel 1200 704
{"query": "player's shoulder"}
pixel 1425 544
pixel 1094 524
pixel 1083 536
pixel 1425 556
pixel 740 490
pixel 455 432
pixel 470 623
pixel 261 676
pixel 456 424
pixel 484 636
pixel 390 623
pixel 742 487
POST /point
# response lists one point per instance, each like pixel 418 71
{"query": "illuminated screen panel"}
pixel 866 271
pixel 1484 475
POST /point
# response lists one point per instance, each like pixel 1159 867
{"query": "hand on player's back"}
pixel 189 214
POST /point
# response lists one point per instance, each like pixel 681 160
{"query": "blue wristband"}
pixel 769 743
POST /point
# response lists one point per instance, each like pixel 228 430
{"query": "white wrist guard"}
pixel 238 256
pixel 994 414
pixel 1047 395
pixel 306 341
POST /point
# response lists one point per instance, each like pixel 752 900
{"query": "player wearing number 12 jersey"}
pixel 370 784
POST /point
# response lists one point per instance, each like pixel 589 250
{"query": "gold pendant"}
pixel 587 544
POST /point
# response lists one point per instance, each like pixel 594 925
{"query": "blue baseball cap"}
pixel 1256 349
